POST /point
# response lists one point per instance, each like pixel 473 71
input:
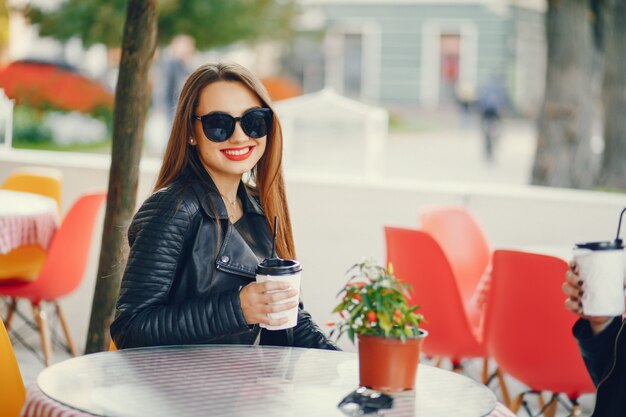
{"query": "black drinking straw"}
pixel 274 239
pixel 619 225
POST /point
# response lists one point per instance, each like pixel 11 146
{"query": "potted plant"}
pixel 374 308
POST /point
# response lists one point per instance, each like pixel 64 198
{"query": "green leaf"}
pixel 384 322
pixel 356 311
pixel 351 334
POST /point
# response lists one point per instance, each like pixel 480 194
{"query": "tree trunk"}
pixel 131 102
pixel 613 170
pixel 563 157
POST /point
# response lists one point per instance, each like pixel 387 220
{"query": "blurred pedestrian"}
pixel 491 103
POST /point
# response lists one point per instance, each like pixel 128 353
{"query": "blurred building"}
pixel 424 52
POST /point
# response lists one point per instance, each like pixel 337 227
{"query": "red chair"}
pixel 419 260
pixel 464 243
pixel 62 271
pixel 528 331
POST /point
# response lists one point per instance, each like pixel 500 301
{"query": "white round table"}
pixel 207 380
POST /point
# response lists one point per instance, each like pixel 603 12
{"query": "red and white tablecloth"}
pixel 26 219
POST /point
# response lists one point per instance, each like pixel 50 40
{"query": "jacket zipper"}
pixel 608 374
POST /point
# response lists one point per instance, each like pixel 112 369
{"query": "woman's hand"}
pixel 572 287
pixel 255 299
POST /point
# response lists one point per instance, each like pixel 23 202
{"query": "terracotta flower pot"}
pixel 388 364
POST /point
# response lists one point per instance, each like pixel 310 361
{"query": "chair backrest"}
pixel 67 257
pixel 12 393
pixel 43 181
pixel 527 329
pixel 417 259
pixel 462 240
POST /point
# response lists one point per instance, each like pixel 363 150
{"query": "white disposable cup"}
pixel 602 273
pixel 292 314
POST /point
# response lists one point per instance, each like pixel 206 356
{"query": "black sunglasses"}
pixel 219 126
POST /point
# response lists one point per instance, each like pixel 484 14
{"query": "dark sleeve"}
pixel 144 315
pixel 307 334
pixel 596 350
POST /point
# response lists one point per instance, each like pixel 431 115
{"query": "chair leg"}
pixel 44 332
pixel 10 312
pixel 517 403
pixel 485 377
pixel 576 412
pixel 503 388
pixel 438 361
pixel 457 367
pixel 542 402
pixel 551 407
pixel 66 329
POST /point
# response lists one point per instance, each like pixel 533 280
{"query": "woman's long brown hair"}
pixel 268 171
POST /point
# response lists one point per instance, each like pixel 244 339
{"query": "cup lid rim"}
pixel 282 267
pixel 602 245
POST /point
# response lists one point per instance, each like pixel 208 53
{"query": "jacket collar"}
pixel 210 196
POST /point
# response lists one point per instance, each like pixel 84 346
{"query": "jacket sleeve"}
pixel 307 334
pixel 144 315
pixel 597 350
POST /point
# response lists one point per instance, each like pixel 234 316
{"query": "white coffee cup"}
pixel 281 270
pixel 601 268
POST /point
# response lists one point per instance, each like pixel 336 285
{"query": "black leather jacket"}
pixel 181 285
pixel 605 357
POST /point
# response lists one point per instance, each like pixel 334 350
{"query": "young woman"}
pixel 195 243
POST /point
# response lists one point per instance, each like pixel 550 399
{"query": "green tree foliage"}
pixel 211 23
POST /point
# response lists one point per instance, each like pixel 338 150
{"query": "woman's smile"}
pixel 238 154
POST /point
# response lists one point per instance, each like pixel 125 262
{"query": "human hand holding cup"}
pixel 572 287
pixel 595 282
pixel 287 273
pixel 261 301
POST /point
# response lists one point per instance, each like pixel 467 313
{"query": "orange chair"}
pixel 464 243
pixel 26 262
pixel 63 270
pixel 12 394
pixel 528 331
pixel 419 260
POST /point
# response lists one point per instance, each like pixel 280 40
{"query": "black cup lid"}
pixel 616 244
pixel 277 266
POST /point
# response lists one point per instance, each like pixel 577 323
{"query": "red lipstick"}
pixel 239 157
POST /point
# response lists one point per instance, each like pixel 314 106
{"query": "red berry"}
pixel 371 316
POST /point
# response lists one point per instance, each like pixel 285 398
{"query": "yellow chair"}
pixel 37 180
pixel 26 262
pixel 13 393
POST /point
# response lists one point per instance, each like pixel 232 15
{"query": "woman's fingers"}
pixel 573 292
pixel 573 279
pixel 273 322
pixel 277 308
pixel 574 306
pixel 278 296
